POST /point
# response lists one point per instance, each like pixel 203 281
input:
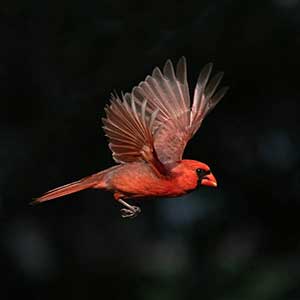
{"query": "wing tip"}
pixel 181 70
pixel 182 60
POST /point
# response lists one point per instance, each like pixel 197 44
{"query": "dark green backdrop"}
pixel 58 65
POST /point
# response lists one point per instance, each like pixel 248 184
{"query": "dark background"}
pixel 58 65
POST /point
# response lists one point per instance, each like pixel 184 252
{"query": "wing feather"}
pixel 181 74
pixel 129 128
pixel 156 120
pixel 176 120
pixel 126 130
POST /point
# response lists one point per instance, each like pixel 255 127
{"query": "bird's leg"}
pixel 130 211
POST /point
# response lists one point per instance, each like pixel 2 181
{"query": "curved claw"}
pixel 130 213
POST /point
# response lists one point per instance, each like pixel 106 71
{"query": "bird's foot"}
pixel 131 212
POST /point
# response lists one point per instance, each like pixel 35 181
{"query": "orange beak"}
pixel 209 180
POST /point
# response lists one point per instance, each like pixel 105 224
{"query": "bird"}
pixel 148 130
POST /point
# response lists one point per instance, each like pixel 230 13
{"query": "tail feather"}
pixel 76 186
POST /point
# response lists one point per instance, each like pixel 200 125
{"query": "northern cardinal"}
pixel 148 130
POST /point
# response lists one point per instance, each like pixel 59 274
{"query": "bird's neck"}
pixel 183 178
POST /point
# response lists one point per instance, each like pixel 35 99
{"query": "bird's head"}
pixel 197 173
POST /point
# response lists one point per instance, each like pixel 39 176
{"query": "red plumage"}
pixel 148 130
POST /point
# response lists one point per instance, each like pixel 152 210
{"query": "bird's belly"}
pixel 137 180
pixel 145 186
pixel 141 189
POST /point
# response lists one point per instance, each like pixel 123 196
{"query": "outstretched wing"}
pixel 129 128
pixel 177 121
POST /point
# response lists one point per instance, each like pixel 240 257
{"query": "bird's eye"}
pixel 201 172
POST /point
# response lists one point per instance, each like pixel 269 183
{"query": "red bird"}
pixel 148 130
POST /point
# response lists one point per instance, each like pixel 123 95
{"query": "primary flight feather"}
pixel 148 130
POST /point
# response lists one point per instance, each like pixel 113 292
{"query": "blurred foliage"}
pixel 59 61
